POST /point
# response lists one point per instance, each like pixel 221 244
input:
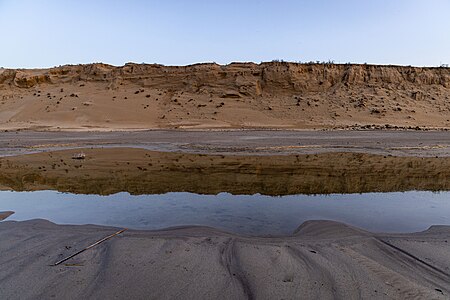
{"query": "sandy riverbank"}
pixel 242 142
pixel 322 259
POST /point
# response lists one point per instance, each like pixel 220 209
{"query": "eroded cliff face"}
pixel 275 94
pixel 268 77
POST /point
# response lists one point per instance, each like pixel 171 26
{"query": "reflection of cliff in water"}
pixel 138 171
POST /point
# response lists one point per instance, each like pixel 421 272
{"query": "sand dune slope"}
pixel 238 95
pixel 322 260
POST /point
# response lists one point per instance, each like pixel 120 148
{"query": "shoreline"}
pixel 355 127
pixel 308 230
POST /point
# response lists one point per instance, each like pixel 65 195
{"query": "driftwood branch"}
pixel 89 247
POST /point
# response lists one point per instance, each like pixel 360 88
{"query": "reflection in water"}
pixel 139 171
pixel 250 214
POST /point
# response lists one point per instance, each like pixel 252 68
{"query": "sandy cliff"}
pixel 238 95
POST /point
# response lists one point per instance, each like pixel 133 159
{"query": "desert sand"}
pixel 320 260
pixel 238 95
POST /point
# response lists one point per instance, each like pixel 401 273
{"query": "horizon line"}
pixel 280 61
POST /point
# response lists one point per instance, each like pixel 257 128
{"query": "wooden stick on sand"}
pixel 90 246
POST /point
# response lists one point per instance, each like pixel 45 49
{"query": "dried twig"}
pixel 89 247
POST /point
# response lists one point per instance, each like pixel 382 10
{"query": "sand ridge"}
pixel 322 260
pixel 238 95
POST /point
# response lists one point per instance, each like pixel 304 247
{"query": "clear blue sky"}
pixel 44 33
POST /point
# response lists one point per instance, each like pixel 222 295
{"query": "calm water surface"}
pixel 248 214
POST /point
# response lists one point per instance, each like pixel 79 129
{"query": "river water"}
pixel 246 214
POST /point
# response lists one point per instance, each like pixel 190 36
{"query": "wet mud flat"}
pixel 244 142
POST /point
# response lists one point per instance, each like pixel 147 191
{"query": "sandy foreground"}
pixel 320 260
